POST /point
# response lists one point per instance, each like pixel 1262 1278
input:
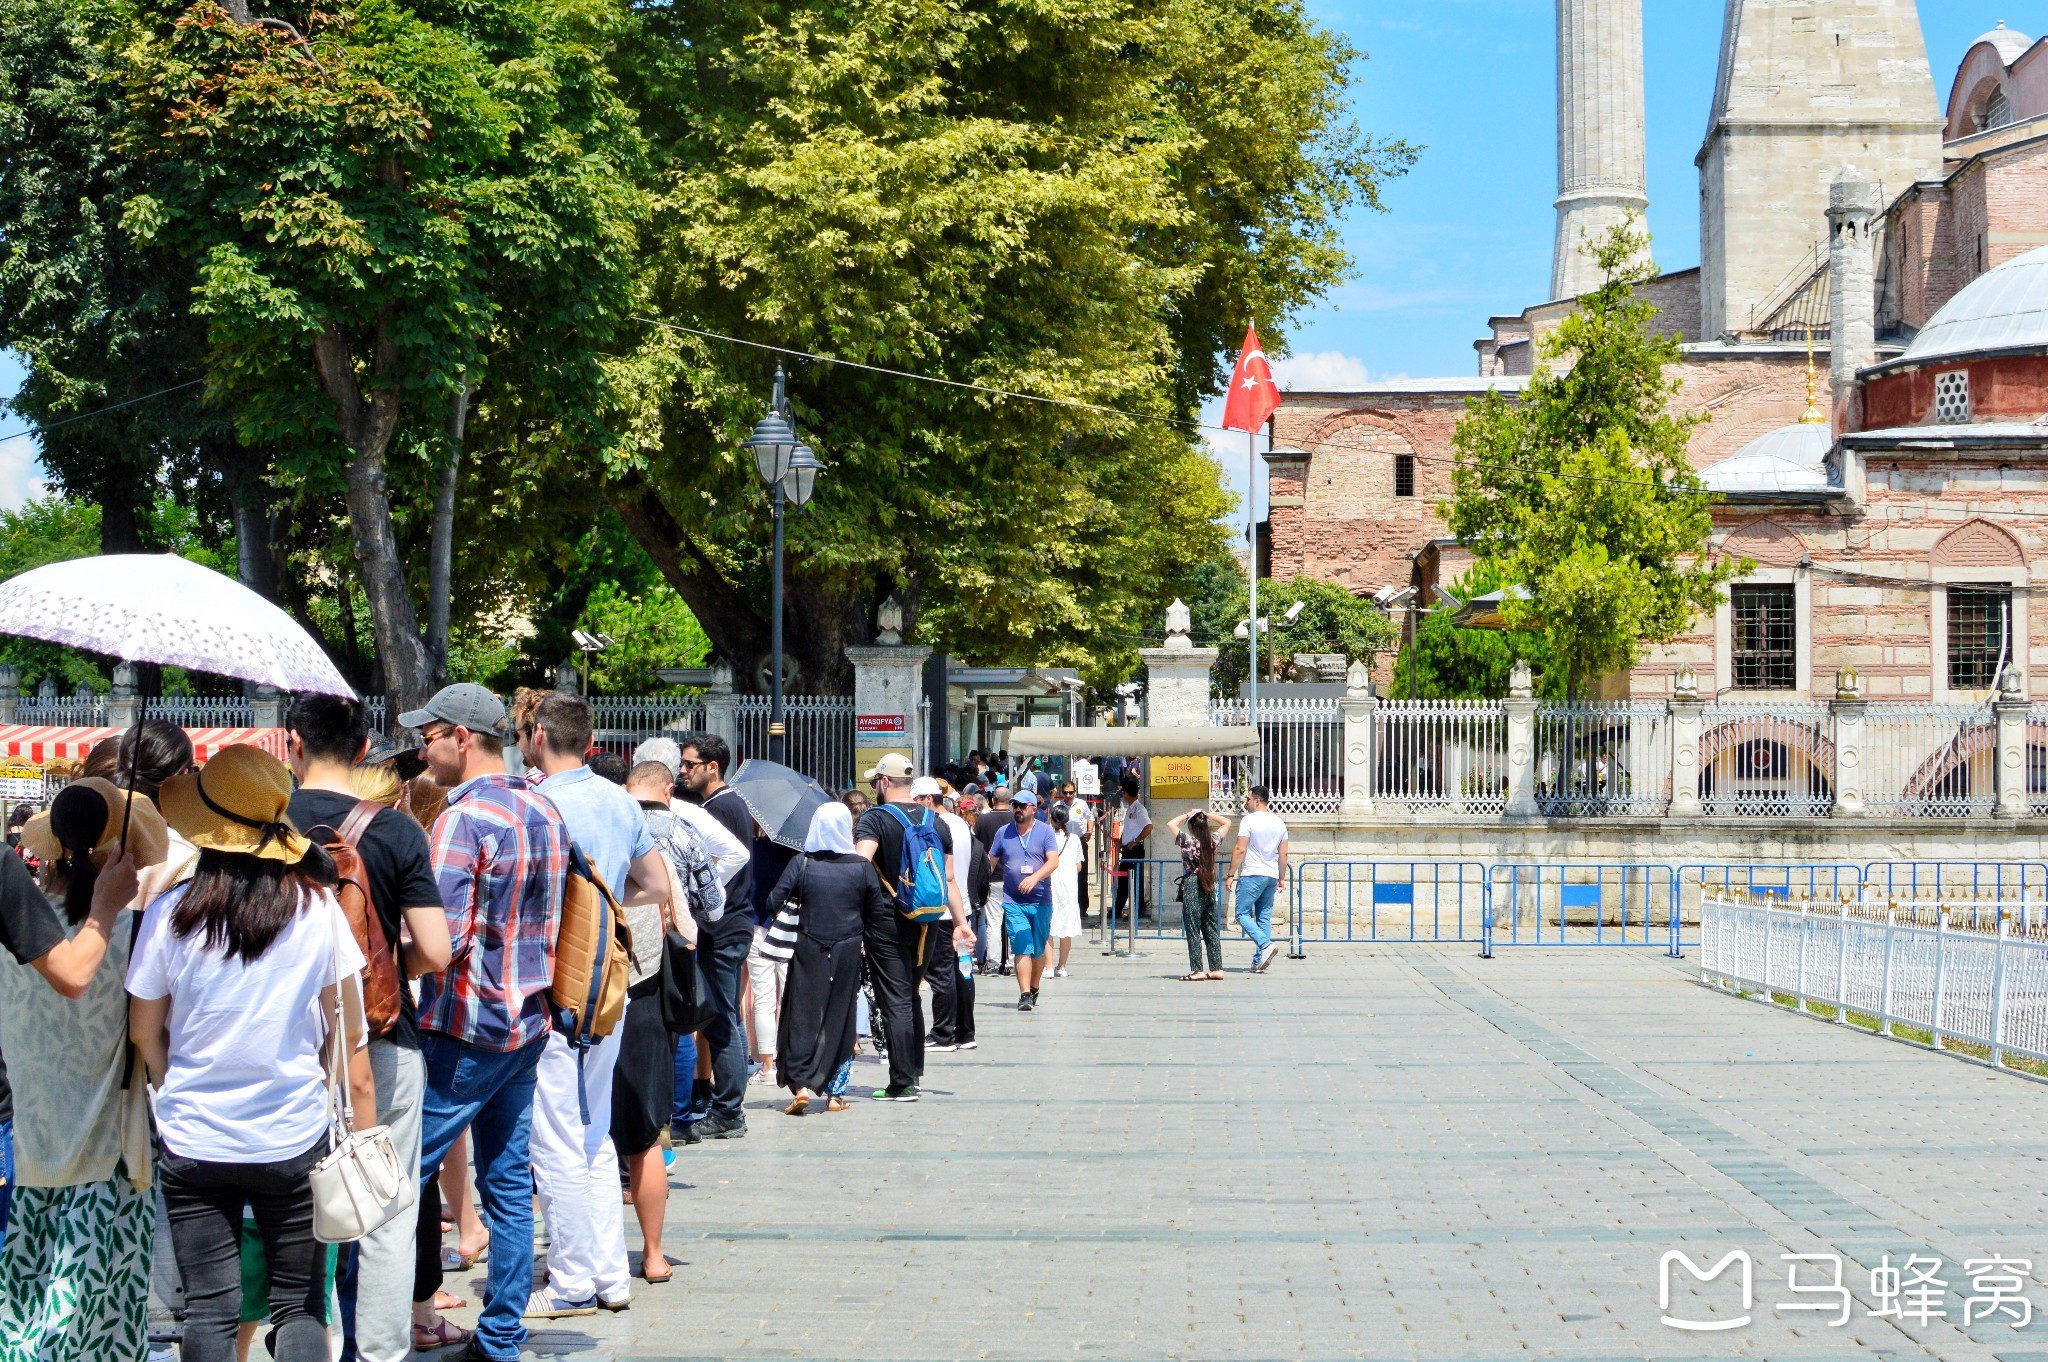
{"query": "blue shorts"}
pixel 1030 927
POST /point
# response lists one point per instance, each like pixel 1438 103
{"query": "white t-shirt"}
pixel 1080 818
pixel 246 1082
pixel 1261 833
pixel 728 855
pixel 963 838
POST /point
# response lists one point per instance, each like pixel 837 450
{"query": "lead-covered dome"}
pixel 2011 43
pixel 2004 309
pixel 1790 459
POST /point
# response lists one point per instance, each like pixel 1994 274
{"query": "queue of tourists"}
pixel 278 1030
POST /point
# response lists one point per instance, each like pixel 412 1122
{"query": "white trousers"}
pixel 767 978
pixel 384 1268
pixel 576 1172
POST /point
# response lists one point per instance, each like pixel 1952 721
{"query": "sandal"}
pixel 1192 978
pixel 448 1300
pixel 835 1104
pixel 455 1260
pixel 797 1104
pixel 668 1275
pixel 431 1338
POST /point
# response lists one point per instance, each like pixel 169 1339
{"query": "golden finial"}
pixel 1813 416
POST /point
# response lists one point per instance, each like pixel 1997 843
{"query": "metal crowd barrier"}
pixel 1583 904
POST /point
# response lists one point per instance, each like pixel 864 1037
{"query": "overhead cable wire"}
pixel 41 426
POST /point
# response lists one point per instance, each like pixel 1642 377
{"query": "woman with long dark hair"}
pixel 839 893
pixel 235 980
pixel 1197 833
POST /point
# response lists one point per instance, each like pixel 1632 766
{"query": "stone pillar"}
pixel 266 707
pixel 121 700
pixel 1601 178
pixel 2011 778
pixel 1520 708
pixel 888 680
pixel 1177 696
pixel 722 705
pixel 1847 712
pixel 1361 736
pixel 10 693
pixel 1687 711
pixel 1852 293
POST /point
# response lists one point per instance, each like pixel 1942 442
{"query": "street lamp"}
pixel 788 468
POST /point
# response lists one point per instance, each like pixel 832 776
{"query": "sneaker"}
pixel 686 1132
pixel 1265 957
pixel 970 1045
pixel 615 1304
pixel 1026 1003
pixel 931 1046
pixel 892 1093
pixel 764 1075
pixel 545 1304
pixel 1034 997
pixel 1060 972
pixel 719 1128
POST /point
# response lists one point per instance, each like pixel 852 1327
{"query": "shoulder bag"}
pixel 361 1185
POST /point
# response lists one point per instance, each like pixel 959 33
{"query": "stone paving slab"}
pixel 1386 1152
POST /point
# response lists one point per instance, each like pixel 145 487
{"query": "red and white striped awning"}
pixel 37 744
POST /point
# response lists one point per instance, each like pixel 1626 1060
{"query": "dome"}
pixel 1790 459
pixel 2001 309
pixel 2010 42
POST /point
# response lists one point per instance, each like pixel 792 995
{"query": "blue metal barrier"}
pixel 1583 904
pixel 1818 880
pixel 1386 901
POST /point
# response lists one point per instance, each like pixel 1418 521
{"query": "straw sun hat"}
pixel 236 802
pixel 148 842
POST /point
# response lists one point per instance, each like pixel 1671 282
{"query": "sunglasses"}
pixel 429 739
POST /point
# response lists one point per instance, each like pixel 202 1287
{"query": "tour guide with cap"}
pixel 1027 853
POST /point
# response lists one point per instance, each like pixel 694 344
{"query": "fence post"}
pixel 1486 918
pixel 1520 709
pixel 10 693
pixel 1884 992
pixel 1998 996
pixel 1842 965
pixel 1686 712
pixel 1847 711
pixel 1940 977
pixel 888 681
pixel 1805 934
pixel 722 705
pixel 1361 724
pixel 266 708
pixel 2010 779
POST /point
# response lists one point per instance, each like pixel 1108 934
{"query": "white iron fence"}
pixel 1301 746
pixel 1611 759
pixel 1767 759
pixel 1930 760
pixel 1975 974
pixel 1448 755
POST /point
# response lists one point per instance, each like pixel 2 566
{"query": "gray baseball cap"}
pixel 464 704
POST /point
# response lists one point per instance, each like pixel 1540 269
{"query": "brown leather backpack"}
pixel 381 983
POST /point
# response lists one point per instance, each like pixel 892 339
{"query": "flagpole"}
pixel 1251 534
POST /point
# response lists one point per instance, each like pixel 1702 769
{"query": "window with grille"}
pixel 1952 397
pixel 1404 475
pixel 1979 621
pixel 1766 637
pixel 1998 110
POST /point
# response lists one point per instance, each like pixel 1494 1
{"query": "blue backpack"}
pixel 921 878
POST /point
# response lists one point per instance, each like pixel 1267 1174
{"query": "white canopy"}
pixel 1203 741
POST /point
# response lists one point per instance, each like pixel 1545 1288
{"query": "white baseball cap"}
pixel 924 787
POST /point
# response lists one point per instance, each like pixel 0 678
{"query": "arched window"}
pixel 1997 111
pixel 1404 475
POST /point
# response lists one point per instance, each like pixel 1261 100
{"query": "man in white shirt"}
pixel 1259 865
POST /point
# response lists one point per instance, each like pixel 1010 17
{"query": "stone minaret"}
pixel 1852 283
pixel 1600 156
pixel 1806 88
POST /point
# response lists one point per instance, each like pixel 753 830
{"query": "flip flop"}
pixel 662 1280
pixel 799 1103
pixel 455 1260
pixel 442 1334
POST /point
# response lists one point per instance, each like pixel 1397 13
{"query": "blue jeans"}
pixel 686 1081
pixel 6 1175
pixel 490 1094
pixel 1255 909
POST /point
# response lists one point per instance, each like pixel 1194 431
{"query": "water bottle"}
pixel 966 958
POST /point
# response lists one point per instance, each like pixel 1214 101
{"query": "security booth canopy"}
pixel 1188 741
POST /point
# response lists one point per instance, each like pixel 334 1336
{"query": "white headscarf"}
pixel 831 830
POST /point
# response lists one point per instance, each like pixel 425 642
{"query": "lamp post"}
pixel 788 468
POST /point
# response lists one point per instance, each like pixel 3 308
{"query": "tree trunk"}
pixel 738 632
pixel 367 424
pixel 441 541
pixel 120 527
pixel 255 557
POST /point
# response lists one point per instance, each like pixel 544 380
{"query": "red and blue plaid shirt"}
pixel 500 854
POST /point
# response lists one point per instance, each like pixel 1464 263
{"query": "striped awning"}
pixel 37 744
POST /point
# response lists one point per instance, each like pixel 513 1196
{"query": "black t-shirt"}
pixel 29 929
pixel 400 871
pixel 728 808
pixel 879 826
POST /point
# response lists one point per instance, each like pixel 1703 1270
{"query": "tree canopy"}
pixel 1580 491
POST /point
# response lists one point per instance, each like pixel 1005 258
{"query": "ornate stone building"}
pixel 1896 528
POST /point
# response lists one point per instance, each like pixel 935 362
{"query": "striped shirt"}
pixel 500 856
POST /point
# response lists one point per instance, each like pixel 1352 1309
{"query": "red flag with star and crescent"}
pixel 1254 396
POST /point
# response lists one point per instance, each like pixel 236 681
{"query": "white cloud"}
pixel 1320 371
pixel 21 474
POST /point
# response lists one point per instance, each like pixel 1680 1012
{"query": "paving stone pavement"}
pixel 1386 1152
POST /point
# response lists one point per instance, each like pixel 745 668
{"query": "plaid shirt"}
pixel 500 854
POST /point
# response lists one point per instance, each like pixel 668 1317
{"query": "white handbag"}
pixel 362 1185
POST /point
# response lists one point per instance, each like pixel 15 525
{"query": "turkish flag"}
pixel 1254 396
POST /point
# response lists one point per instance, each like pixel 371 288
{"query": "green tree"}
pixel 1076 201
pixel 1331 620
pixel 400 211
pixel 1444 661
pixel 1581 492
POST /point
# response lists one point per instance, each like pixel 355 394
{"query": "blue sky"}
pixel 1468 232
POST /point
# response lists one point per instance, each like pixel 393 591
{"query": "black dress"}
pixel 836 894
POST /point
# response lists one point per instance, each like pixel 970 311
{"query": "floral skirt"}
pixel 74 1275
